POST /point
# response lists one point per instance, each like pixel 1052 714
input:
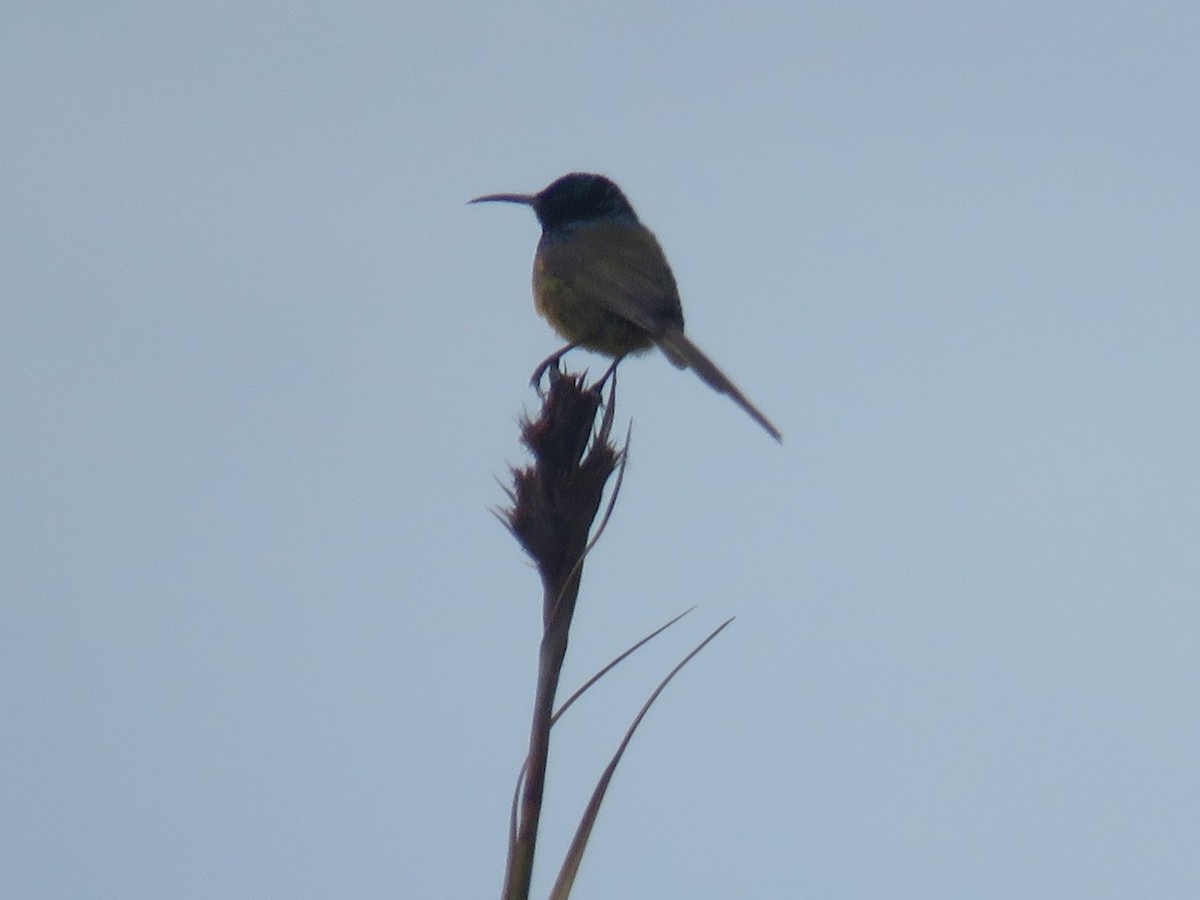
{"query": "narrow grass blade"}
pixel 570 867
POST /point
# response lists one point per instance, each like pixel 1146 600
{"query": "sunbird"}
pixel 602 281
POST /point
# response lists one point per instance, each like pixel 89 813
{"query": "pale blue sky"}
pixel 260 635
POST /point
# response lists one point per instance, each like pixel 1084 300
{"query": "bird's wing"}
pixel 621 268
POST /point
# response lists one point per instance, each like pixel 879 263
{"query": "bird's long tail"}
pixel 686 355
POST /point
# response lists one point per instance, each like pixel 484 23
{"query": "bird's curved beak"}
pixel 527 199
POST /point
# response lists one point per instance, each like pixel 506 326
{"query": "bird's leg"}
pixel 610 376
pixel 551 360
pixel 610 372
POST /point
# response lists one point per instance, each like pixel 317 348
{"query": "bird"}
pixel 602 281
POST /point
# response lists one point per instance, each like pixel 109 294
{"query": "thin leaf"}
pixel 566 876
pixel 579 692
pixel 616 662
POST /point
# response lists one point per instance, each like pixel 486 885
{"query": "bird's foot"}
pixel 549 363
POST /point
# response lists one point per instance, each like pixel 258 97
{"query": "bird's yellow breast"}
pixel 581 319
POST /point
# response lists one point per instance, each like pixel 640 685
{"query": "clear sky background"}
pixel 260 635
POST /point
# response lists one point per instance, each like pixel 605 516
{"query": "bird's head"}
pixel 572 199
